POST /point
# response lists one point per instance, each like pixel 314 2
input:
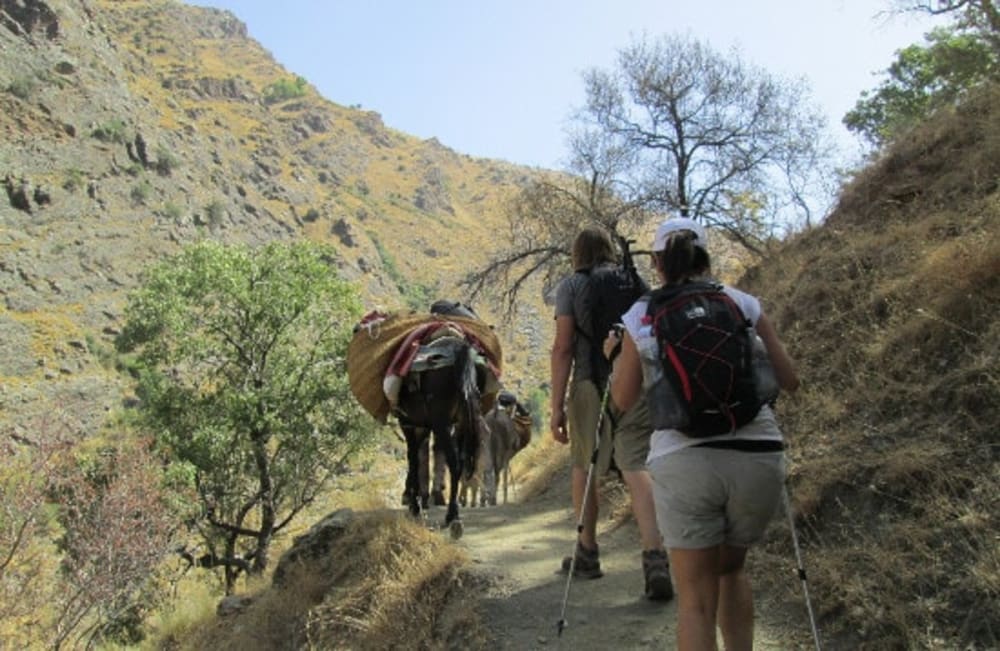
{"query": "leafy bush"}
pixel 110 131
pixel 74 180
pixel 283 89
pixel 140 192
pixel 535 403
pixel 106 565
pixel 214 212
pixel 21 87
pixel 172 211
pixel 166 161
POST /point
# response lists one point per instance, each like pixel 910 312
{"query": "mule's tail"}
pixel 469 423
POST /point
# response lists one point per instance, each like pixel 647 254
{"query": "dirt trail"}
pixel 519 546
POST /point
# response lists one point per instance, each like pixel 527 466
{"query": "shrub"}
pixel 21 87
pixel 110 131
pixel 140 192
pixel 74 180
pixel 166 162
pixel 172 211
pixel 214 212
pixel 283 89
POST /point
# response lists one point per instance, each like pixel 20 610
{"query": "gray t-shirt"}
pixel 570 302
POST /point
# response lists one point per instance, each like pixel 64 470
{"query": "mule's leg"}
pixel 440 466
pixel 413 441
pixel 443 438
pixel 424 467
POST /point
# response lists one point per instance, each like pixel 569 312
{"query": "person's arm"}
pixel 561 362
pixel 784 367
pixel 626 377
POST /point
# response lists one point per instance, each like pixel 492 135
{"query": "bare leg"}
pixel 588 536
pixel 696 577
pixel 640 487
pixel 735 614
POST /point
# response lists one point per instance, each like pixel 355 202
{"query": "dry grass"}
pixel 533 468
pixel 386 582
pixel 892 310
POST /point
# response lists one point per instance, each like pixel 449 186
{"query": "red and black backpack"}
pixel 706 353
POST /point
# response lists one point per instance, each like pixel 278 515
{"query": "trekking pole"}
pixel 801 569
pixel 586 494
pixel 583 506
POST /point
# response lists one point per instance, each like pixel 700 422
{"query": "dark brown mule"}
pixel 443 402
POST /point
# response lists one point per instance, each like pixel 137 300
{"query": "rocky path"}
pixel 519 546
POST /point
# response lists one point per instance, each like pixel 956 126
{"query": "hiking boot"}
pixel 587 564
pixel 656 571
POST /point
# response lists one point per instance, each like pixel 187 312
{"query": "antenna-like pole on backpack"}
pixel 801 569
pixel 627 261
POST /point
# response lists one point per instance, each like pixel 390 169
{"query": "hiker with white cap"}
pixel 716 453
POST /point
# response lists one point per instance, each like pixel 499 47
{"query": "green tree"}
pixel 979 16
pixel 923 79
pixel 242 377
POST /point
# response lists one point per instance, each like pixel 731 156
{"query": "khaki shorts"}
pixel 630 441
pixel 631 434
pixel 583 406
pixel 706 496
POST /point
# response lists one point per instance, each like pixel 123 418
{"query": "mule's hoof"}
pixel 457 529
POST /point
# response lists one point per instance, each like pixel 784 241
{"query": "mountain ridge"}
pixel 134 128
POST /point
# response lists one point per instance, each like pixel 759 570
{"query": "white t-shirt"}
pixel 665 441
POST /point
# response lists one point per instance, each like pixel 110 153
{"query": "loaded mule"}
pixel 440 398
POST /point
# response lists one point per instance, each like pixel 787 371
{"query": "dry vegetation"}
pixel 389 582
pixel 892 309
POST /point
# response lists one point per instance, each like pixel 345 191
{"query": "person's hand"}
pixel 613 343
pixel 557 423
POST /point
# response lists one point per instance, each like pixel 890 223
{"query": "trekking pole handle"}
pixel 617 331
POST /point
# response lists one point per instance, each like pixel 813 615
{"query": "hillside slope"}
pixel 130 129
pixel 892 309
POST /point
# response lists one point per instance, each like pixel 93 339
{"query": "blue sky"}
pixel 499 78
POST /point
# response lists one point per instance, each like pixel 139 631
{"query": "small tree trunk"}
pixel 267 515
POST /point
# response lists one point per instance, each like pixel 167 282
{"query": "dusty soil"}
pixel 519 546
